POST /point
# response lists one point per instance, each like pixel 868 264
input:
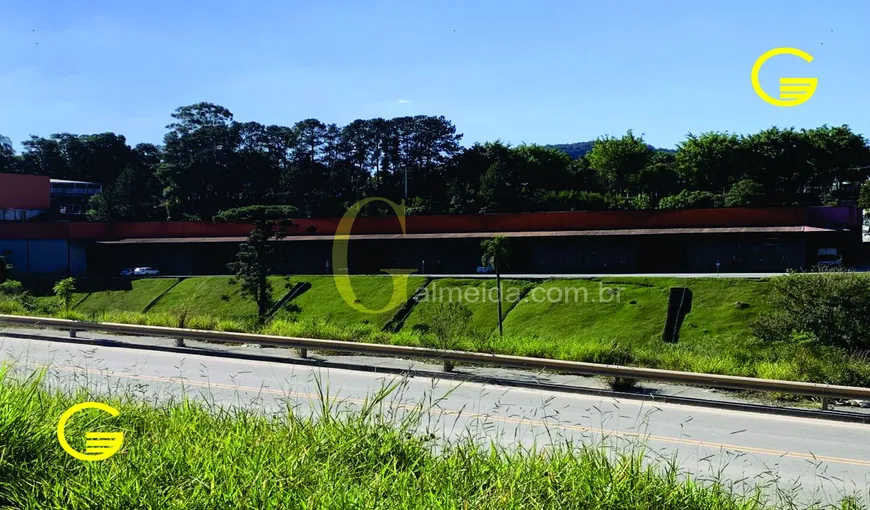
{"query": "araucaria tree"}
pixel 254 263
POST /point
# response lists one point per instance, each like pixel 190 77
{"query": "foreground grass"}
pixel 192 456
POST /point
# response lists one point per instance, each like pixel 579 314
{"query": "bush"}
pixel 449 323
pixel 691 199
pixel 570 200
pixel 255 213
pixel 834 307
pixel 11 288
pixel 642 201
pixel 64 290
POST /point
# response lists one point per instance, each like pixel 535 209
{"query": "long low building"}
pixel 740 240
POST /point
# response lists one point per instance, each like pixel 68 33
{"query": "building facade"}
pixel 736 240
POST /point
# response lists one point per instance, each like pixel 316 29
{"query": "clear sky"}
pixel 534 72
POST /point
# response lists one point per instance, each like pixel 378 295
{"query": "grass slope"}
pixel 715 336
pixel 322 302
pixel 133 299
pixel 479 295
pixel 584 309
pixel 214 295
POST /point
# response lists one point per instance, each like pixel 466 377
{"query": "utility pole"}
pixel 406 182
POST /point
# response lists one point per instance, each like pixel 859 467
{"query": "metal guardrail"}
pixel 825 391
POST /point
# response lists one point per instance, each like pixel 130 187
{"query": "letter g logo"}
pixel 792 91
pixel 339 259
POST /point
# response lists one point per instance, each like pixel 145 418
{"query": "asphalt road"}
pixel 819 459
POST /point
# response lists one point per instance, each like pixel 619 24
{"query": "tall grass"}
pixel 193 455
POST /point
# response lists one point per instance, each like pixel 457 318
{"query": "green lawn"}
pixel 323 301
pixel 583 321
pixel 636 310
pixel 215 296
pixel 478 294
pixel 132 299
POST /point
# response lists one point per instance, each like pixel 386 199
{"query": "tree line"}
pixel 209 162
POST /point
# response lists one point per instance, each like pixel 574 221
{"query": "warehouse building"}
pixel 744 240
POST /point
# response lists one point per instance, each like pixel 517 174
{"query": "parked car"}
pixel 139 271
pixel 127 271
pixel 830 257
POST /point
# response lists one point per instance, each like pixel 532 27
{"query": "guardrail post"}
pixel 826 404
pixel 72 333
pixel 303 353
pixel 179 342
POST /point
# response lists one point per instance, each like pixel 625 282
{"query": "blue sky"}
pixel 534 72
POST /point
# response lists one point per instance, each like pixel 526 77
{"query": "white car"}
pixel 145 271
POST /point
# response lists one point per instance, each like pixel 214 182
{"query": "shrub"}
pixel 834 307
pixel 11 287
pixel 255 213
pixel 64 290
pixel 691 199
pixel 642 201
pixel 449 323
pixel 570 200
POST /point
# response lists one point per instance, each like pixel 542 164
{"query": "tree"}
pixel 743 193
pixel 660 177
pixel 780 161
pixel 199 173
pixel 255 260
pixel 619 161
pixel 64 290
pixel 836 155
pixel 864 197
pixel 8 160
pixel 496 252
pixel 95 158
pixel 711 161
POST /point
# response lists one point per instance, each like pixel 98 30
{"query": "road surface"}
pixel 819 459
